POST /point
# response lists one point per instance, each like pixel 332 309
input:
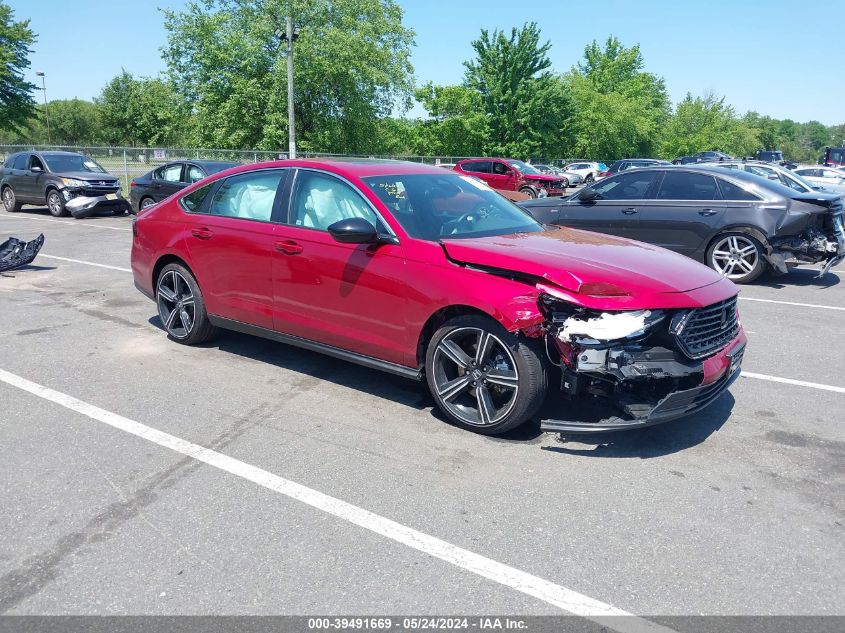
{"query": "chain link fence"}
pixel 130 162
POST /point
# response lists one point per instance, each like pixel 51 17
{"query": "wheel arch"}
pixel 754 232
pixel 439 318
pixel 163 261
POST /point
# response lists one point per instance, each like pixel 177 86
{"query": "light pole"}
pixel 290 34
pixel 40 73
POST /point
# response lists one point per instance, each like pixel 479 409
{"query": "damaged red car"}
pixel 432 275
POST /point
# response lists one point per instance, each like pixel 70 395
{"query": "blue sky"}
pixel 764 55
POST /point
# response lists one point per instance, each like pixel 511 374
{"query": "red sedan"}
pixel 431 275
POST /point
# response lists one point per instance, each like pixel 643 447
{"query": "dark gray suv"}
pixel 65 181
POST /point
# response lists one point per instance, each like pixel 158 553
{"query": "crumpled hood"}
pixel 563 260
pixel 541 177
pixel 87 175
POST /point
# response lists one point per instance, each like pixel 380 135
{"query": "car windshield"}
pixel 434 206
pixel 525 168
pixel 59 163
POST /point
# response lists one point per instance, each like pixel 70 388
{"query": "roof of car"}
pixel 355 167
pixel 204 163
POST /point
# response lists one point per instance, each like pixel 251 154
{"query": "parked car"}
pixel 772 172
pixel 65 181
pixel 446 165
pixel 830 178
pixel 834 156
pixel 164 181
pixel 631 163
pixel 550 170
pixel 433 276
pixel 589 171
pixel 508 174
pixel 702 157
pixel 737 223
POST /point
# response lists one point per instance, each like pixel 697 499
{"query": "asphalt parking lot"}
pixel 736 510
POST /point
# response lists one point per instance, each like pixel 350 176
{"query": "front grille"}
pixel 99 188
pixel 703 331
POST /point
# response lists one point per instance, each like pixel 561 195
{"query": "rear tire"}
pixel 10 200
pixel 737 256
pixel 56 204
pixel 181 307
pixel 482 377
pixel 145 203
pixel 565 182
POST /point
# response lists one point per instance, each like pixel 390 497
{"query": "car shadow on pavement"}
pixel 370 381
pixel 645 443
pixel 652 441
pixel 797 277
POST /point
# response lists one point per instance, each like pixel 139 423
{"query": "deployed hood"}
pixel 592 268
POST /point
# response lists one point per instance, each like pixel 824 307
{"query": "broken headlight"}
pixel 73 182
pixel 605 327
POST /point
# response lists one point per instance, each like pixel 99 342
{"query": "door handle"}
pixel 707 212
pixel 288 247
pixel 629 211
pixel 203 234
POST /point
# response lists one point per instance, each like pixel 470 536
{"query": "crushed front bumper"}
pixel 82 206
pixel 719 372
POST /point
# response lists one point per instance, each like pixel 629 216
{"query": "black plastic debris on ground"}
pixel 15 253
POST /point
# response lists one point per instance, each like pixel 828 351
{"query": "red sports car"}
pixel 431 275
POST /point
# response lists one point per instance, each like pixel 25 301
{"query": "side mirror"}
pixel 588 195
pixel 35 168
pixel 353 231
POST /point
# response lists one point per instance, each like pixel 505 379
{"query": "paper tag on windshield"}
pixel 91 165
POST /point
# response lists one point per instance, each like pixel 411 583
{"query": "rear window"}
pixel 730 191
pixel 477 166
pixel 682 185
pixel 193 201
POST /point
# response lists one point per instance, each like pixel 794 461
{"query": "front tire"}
pixel 181 307
pixel 482 377
pixel 588 179
pixel 737 256
pixel 56 204
pixel 10 201
pixel 529 191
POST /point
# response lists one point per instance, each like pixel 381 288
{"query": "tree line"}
pixel 225 87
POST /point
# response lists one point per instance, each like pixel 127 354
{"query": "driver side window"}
pixel 35 164
pixel 501 169
pixel 321 200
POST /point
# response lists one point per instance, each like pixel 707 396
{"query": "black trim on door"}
pixel 314 346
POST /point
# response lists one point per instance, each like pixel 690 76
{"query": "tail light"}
pixel 132 184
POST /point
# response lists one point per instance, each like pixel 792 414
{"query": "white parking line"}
pixel 79 261
pixel 792 303
pixel 79 223
pixel 521 581
pixel 790 381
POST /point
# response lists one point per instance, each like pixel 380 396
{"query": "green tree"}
pixel 141 112
pixel 72 122
pixel 17 106
pixel 526 106
pixel 352 68
pixel 706 123
pixel 457 124
pixel 619 108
